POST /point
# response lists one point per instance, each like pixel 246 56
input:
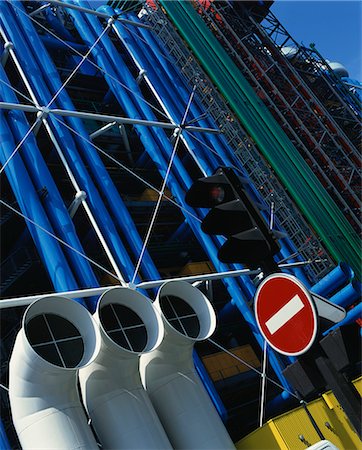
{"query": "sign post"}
pixel 286 314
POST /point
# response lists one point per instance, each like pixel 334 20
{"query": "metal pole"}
pixel 22 301
pixel 126 120
pixel 102 130
pixel 19 107
pixel 34 13
pixel 263 386
pixel 107 118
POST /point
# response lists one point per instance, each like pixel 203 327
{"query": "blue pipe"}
pixel 336 278
pixel 206 380
pixel 154 140
pixel 218 142
pixel 164 75
pixel 352 315
pixel 30 205
pixel 182 233
pixel 279 401
pixel 4 442
pixel 208 384
pixel 53 203
pixel 54 44
pixel 348 295
pixel 99 172
pixel 227 312
pixel 55 23
pixel 157 148
pixel 62 134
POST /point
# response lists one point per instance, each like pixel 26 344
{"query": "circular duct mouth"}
pixel 186 310
pixel 180 315
pixel 124 327
pixel 55 339
pixel 61 332
pixel 129 320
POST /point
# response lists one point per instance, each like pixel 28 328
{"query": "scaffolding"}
pixel 318 113
pixel 256 167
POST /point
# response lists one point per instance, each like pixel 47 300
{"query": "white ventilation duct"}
pixel 58 336
pixel 176 391
pixel 121 411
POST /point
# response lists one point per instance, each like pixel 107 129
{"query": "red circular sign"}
pixel 286 314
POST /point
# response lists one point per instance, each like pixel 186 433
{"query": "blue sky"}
pixel 334 27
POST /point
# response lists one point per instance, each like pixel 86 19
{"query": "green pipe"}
pixel 303 185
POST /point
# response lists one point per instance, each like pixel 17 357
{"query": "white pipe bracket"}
pixel 78 199
pixel 5 55
pixel 141 75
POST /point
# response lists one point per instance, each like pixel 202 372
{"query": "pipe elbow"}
pixel 58 336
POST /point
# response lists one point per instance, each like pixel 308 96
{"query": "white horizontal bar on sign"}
pixel 284 314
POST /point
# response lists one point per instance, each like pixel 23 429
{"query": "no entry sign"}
pixel 286 314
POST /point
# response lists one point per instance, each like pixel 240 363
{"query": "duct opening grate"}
pixel 180 315
pixel 124 327
pixel 55 339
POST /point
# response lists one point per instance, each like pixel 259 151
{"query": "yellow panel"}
pixel 266 437
pixel 283 431
pixel 230 371
pixel 150 195
pixel 293 424
pixel 197 268
pixel 216 376
pixel 333 422
pixel 226 365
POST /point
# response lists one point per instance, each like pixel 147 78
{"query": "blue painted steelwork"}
pixel 336 278
pixel 30 205
pixel 279 401
pixel 149 53
pixel 352 315
pixel 160 149
pixel 55 23
pixel 104 182
pixel 200 368
pixel 41 178
pixel 348 295
pixel 51 78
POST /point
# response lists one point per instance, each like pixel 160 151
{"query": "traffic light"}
pixel 234 215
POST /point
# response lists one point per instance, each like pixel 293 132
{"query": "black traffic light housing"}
pixel 234 215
